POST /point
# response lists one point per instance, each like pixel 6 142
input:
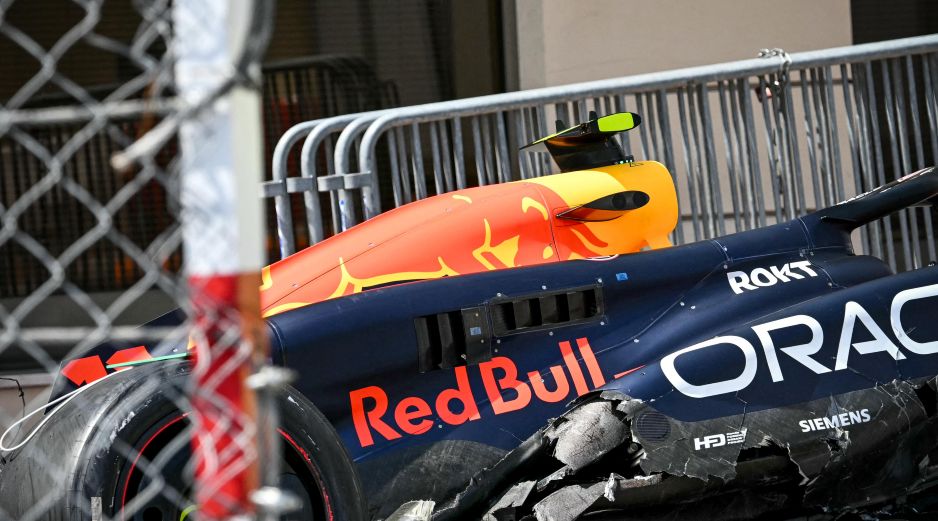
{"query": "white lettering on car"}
pixel 880 342
pixel 836 421
pixel 727 386
pixel 802 353
pixel 741 281
pixel 901 298
pixel 806 352
pixel 719 440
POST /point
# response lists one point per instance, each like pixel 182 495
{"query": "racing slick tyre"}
pixel 118 444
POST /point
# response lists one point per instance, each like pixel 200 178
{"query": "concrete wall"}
pixel 566 42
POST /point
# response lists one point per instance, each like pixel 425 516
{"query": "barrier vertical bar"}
pixel 878 162
pixel 713 174
pixel 930 101
pixel 905 158
pixel 793 148
pixel 752 149
pixel 895 165
pixel 834 139
pixel 861 83
pixel 459 161
pixel 855 153
pixel 728 141
pixel 447 152
pixel 688 167
pixel 739 127
pixel 420 180
pixel 439 183
pixel 404 164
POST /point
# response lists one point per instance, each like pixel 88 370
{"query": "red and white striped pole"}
pixel 223 250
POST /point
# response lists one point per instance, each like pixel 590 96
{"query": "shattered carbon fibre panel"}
pixel 847 451
pixel 420 510
pixel 724 346
pixel 671 450
pixel 413 474
pixel 587 433
pixel 660 497
pixel 896 445
pixel 834 440
pixel 568 503
pixel 507 507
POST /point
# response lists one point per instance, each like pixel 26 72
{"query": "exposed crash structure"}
pixel 521 330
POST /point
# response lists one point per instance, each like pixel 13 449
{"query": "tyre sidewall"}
pixel 117 415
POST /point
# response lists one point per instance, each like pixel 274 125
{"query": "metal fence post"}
pixel 223 245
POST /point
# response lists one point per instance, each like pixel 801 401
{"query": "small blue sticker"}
pixel 475 331
pixel 622 276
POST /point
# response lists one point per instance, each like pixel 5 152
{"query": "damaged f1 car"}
pixel 769 371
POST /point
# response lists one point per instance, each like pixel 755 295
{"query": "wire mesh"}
pixel 95 213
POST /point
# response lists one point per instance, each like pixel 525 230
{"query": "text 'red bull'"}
pixel 412 415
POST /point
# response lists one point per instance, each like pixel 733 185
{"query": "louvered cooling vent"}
pixel 452 339
pixel 546 310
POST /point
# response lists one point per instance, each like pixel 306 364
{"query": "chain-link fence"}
pixel 294 90
pixel 150 182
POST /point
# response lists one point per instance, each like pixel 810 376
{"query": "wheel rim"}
pixel 299 476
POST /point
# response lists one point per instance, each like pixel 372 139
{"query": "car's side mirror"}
pixel 587 145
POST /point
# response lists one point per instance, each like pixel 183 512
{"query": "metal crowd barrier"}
pixel 300 89
pixel 749 143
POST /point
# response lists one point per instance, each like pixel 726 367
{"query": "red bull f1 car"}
pixel 537 350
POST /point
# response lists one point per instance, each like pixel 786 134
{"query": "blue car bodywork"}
pixel 776 337
pixel 778 340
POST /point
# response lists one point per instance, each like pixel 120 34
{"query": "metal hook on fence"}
pixel 776 87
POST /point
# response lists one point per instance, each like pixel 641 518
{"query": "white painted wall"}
pixel 561 42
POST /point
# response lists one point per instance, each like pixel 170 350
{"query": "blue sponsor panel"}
pixel 851 339
pixel 672 300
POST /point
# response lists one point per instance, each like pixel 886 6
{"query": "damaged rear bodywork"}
pixel 768 369
pixel 860 451
pixel 824 404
